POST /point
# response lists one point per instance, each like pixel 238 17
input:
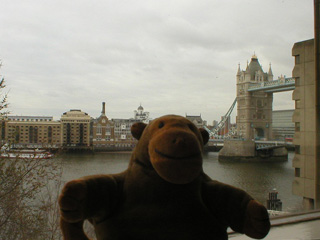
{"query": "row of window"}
pixel 30 120
pixel 126 145
pixel 259 116
pixel 75 121
pixel 106 126
pixel 71 134
pixel 29 125
pixel 28 130
pixel 100 133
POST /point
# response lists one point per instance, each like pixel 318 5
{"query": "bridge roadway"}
pixel 260 145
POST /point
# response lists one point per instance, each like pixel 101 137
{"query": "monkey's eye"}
pixel 191 127
pixel 161 124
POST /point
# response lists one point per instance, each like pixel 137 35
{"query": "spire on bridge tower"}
pixel 254 56
pixel 247 69
pixel 270 74
pixel 239 70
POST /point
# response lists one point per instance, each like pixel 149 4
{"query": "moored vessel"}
pixel 27 154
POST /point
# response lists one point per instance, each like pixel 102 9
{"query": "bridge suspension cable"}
pixel 214 132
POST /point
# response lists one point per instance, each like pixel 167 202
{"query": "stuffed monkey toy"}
pixel 164 194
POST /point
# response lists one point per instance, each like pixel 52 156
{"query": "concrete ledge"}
pixel 284 220
pixel 252 159
pixel 295 218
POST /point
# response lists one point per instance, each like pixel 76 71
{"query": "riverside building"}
pixel 123 138
pixel 75 126
pixel 74 130
pixel 31 132
pixel 196 120
pixel 141 115
pixel 103 132
pixel 282 125
pixel 115 134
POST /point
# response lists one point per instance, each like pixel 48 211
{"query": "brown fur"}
pixel 164 193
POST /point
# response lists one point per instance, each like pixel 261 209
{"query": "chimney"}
pixel 103 108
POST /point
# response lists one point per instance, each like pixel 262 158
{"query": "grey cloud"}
pixel 173 56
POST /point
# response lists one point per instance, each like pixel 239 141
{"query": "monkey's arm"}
pixel 91 197
pixel 236 209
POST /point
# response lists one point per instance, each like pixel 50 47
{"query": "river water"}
pixel 257 178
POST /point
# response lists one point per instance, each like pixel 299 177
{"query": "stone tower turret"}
pixel 254 109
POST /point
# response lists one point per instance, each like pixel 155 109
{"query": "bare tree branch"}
pixel 28 193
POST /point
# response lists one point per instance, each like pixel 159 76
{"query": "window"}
pixel 99 129
pixel 259 115
pixel 50 134
pixel 259 103
pixel 297 59
pixel 17 133
pixel 81 133
pixel 297 149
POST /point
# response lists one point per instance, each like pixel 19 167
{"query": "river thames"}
pixel 257 178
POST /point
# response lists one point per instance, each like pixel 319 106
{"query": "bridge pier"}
pixel 245 151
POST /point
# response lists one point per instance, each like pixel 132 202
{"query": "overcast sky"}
pixel 171 56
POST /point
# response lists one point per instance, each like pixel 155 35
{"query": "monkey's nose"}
pixel 178 140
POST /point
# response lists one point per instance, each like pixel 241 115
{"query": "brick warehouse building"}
pixel 31 132
pixel 102 131
pixel 75 130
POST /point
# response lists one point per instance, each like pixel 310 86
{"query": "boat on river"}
pixel 27 154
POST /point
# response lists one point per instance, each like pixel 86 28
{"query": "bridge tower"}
pixel 254 109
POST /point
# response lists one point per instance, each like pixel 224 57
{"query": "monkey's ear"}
pixel 205 135
pixel 137 129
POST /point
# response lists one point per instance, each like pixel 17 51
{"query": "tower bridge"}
pixel 251 138
pixel 255 90
pixel 254 100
